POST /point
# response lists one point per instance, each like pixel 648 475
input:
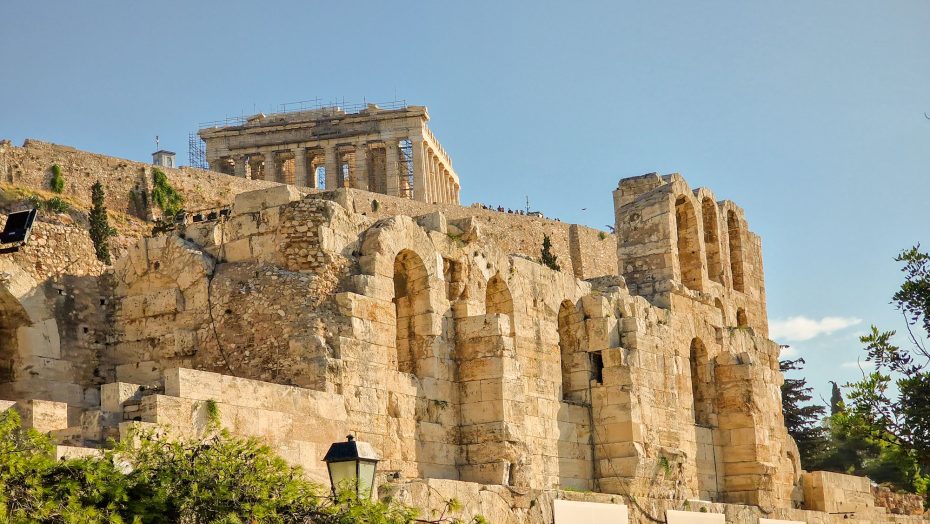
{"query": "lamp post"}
pixel 352 463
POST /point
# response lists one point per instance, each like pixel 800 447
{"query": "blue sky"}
pixel 808 114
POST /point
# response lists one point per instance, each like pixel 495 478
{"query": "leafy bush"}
pixel 56 205
pixel 547 257
pixel 57 183
pixel 165 196
pixel 150 478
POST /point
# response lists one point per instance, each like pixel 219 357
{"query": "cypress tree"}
pixel 100 230
pixel 548 258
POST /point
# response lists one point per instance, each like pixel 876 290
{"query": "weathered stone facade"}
pixel 639 374
pixel 388 151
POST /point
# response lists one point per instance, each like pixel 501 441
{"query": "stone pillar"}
pixel 332 167
pixel 420 169
pixel 255 164
pixel 240 168
pixel 301 177
pixel 271 168
pixel 392 167
pixel 360 169
pixel 492 423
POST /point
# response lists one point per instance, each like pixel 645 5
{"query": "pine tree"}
pixel 802 421
pixel 548 258
pixel 100 230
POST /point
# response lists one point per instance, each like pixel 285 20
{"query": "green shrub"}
pixel 547 257
pixel 57 183
pixel 56 205
pixel 601 235
pixel 164 195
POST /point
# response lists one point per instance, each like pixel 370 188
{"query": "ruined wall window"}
pixel 723 312
pixel 411 299
pixel 498 300
pixel 702 385
pixel 741 320
pixel 711 240
pixel 320 174
pixel 597 367
pixel 569 320
pixel 734 234
pixel 689 251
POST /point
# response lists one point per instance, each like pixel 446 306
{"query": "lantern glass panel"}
pixel 342 474
pixel 366 477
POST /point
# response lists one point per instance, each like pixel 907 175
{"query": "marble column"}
pixel 301 177
pixel 333 174
pixel 420 165
pixel 271 167
pixel 242 161
pixel 360 169
pixel 392 167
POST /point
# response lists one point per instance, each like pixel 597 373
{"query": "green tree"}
pixel 546 255
pixel 100 230
pixel 836 399
pixel 57 183
pixel 801 418
pixel 892 399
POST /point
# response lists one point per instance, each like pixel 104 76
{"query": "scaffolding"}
pixel 335 106
pixel 406 168
pixel 196 152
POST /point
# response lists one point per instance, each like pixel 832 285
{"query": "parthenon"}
pixel 387 151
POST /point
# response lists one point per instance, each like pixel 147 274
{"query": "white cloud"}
pixel 856 365
pixel 788 351
pixel 802 328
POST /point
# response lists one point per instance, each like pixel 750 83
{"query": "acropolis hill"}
pixel 325 280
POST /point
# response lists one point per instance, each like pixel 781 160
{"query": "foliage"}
pixel 892 399
pixel 57 183
pixel 601 235
pixel 802 421
pixel 100 230
pixel 375 205
pixel 547 257
pixel 836 399
pixel 150 478
pixel 164 195
pixel 56 205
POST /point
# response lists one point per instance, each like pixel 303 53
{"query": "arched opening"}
pixel 711 240
pixel 702 384
pixel 723 312
pixel 734 234
pixel 741 320
pixel 689 250
pixel 411 299
pixel 498 300
pixel 12 317
pixel 573 363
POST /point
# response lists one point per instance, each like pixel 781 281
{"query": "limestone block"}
pixel 114 395
pixel 237 251
pixel 163 302
pixel 694 517
pixel 480 326
pixel 43 415
pixel 435 221
pixel 252 201
pixel 6 404
pixel 41 339
pixel 360 306
pixel 143 372
pixel 496 473
pixel 76 452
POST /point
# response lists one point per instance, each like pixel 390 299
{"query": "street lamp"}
pixel 352 463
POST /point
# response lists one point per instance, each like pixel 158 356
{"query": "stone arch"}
pixel 734 235
pixel 711 240
pixel 741 319
pixel 498 300
pixel 411 302
pixel 702 383
pixel 688 243
pixel 574 369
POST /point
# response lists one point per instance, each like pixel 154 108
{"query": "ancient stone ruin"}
pixel 637 380
pixel 387 151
